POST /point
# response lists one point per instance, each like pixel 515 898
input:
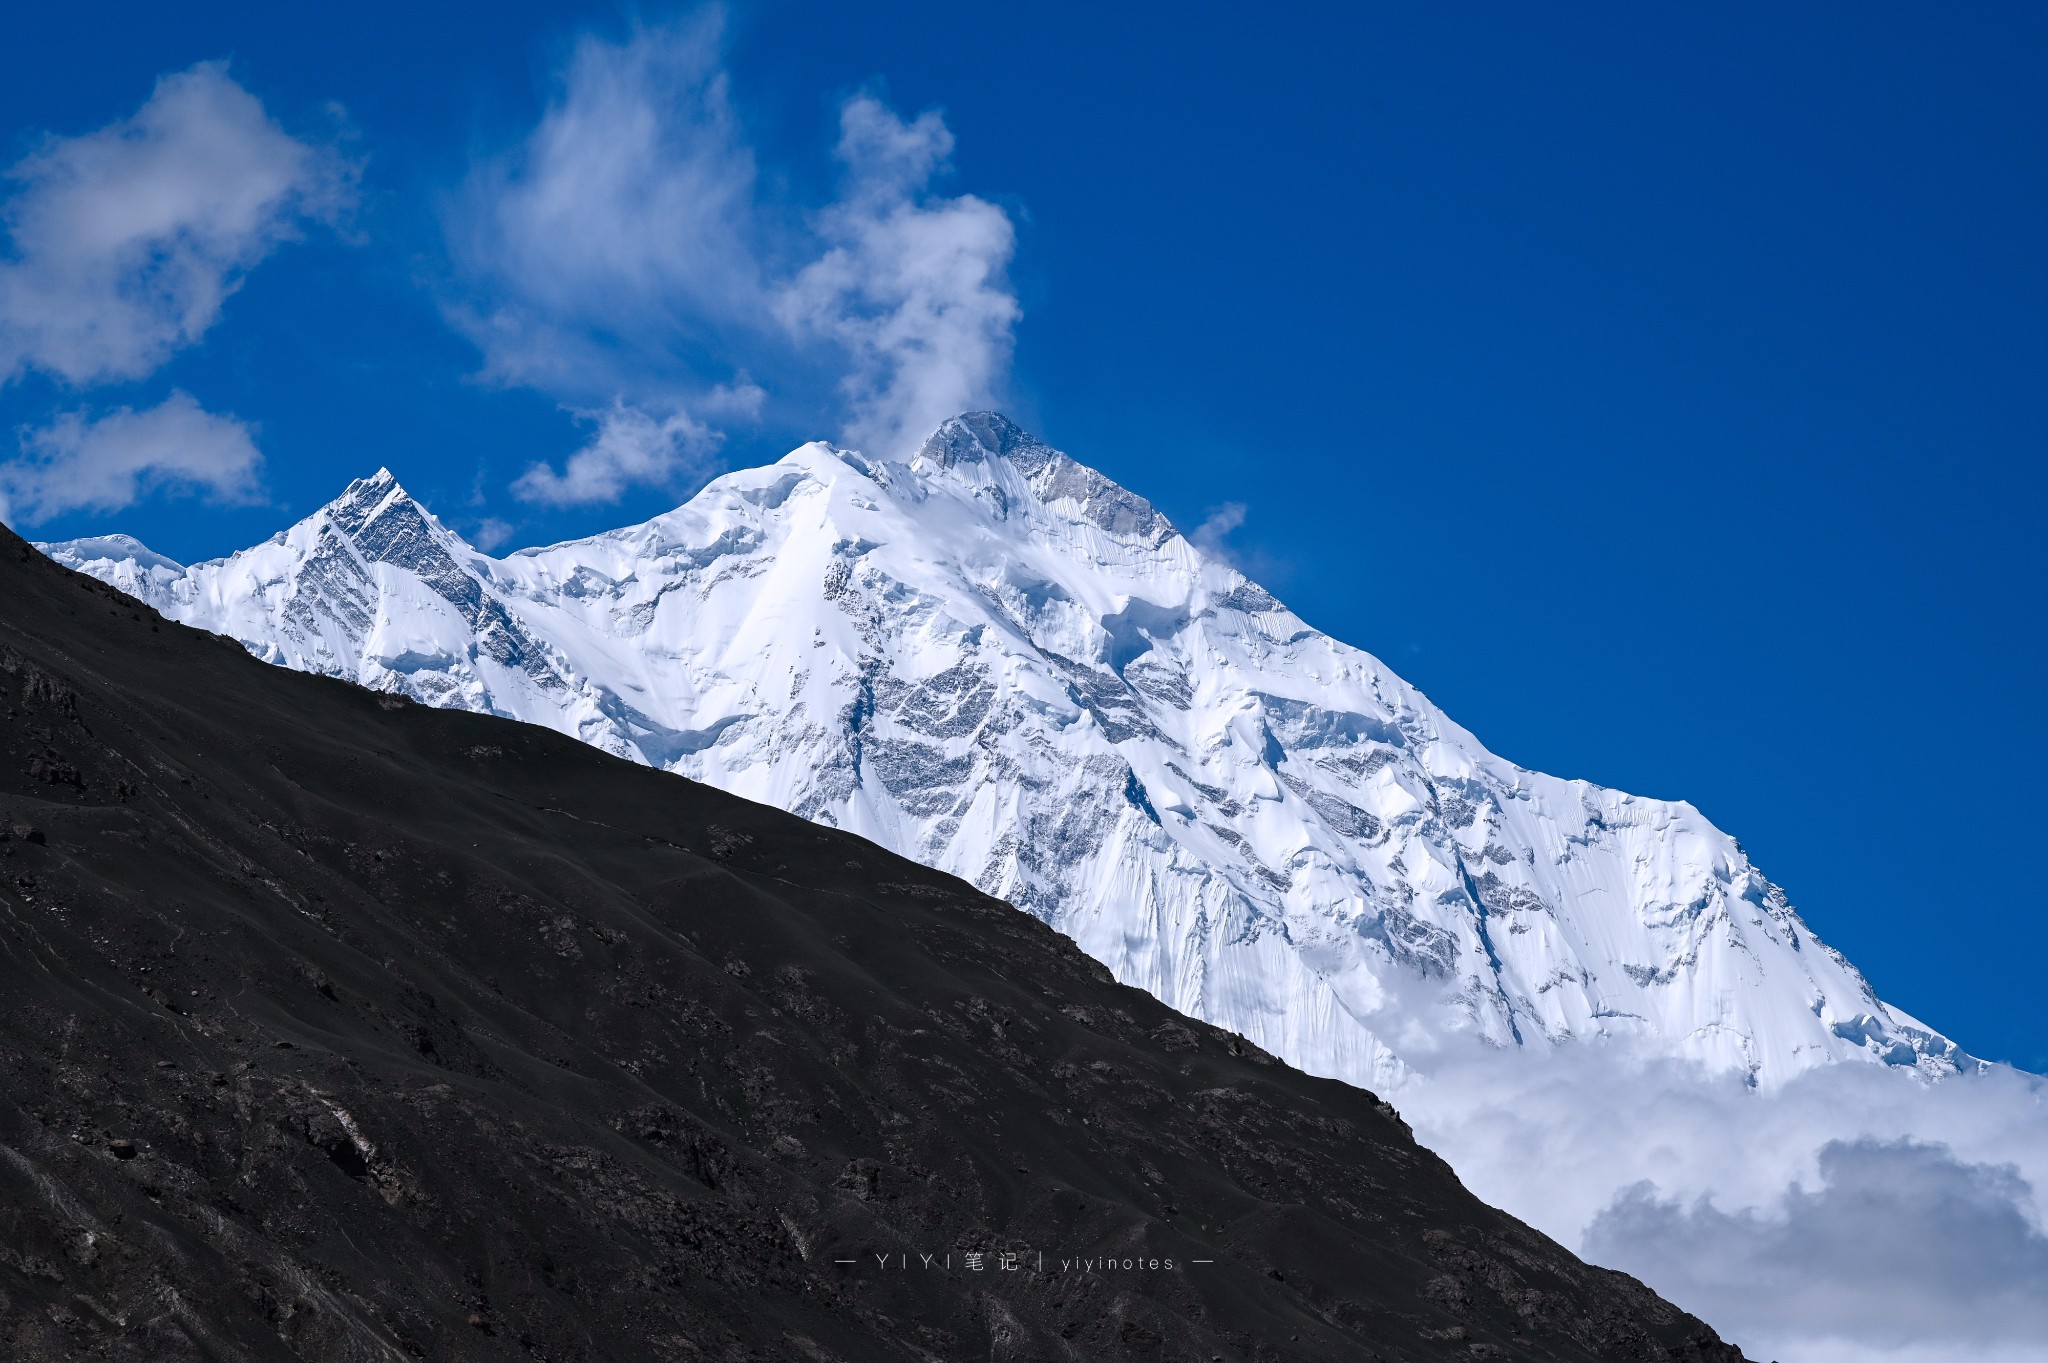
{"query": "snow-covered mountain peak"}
pixel 383 480
pixel 364 495
pixel 113 548
pixel 987 449
pixel 386 524
pixel 979 436
pixel 996 660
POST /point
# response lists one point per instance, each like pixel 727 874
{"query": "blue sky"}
pixel 1660 389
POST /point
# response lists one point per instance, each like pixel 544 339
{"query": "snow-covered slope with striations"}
pixel 997 661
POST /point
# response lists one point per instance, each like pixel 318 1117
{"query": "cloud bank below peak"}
pixel 1854 1215
pixel 1962 1267
pixel 625 260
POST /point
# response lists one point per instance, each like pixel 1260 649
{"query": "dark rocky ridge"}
pixel 340 1028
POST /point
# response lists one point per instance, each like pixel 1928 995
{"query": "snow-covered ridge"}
pixel 999 662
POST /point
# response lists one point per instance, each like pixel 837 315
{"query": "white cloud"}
pixel 1213 534
pixel 1900 1243
pixel 630 448
pixel 618 239
pixel 626 251
pixel 126 241
pixel 491 532
pixel 77 464
pixel 912 285
pixel 1831 1205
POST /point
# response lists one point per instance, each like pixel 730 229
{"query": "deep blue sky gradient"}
pixel 1659 388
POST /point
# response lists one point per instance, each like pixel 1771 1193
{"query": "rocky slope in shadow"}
pixel 340 1028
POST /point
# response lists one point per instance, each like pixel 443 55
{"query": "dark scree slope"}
pixel 333 1027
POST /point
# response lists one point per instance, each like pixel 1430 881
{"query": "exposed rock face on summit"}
pixel 1000 663
pixel 338 1028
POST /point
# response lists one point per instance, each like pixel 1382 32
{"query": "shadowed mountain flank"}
pixel 338 1027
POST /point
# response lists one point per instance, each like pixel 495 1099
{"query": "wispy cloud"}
pixel 1213 534
pixel 912 284
pixel 77 463
pixel 614 249
pixel 630 447
pixel 125 242
pixel 490 533
pixel 624 257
